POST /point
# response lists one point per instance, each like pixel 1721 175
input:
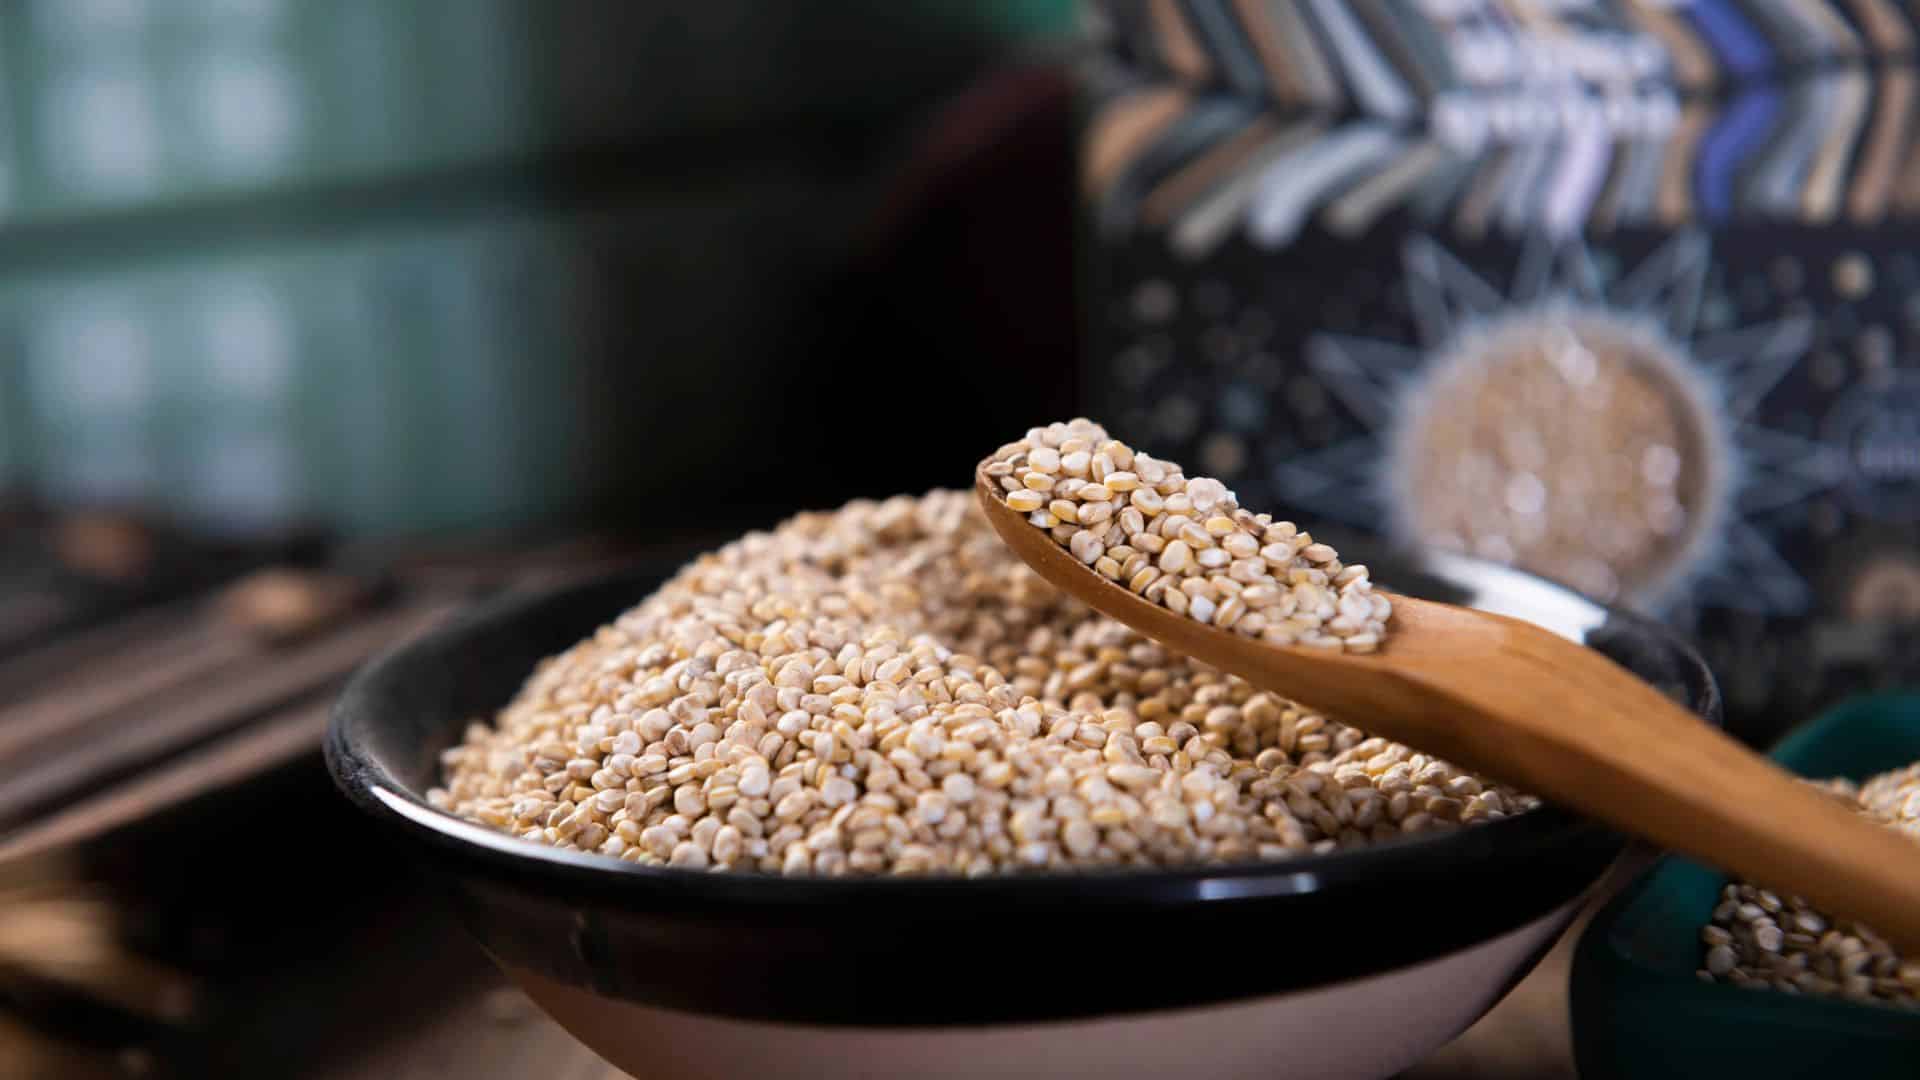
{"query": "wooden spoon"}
pixel 1515 702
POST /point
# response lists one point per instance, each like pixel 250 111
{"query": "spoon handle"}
pixel 1509 700
pixel 1586 734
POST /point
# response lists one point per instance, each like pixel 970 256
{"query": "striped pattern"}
pixel 1273 116
pixel 1382 55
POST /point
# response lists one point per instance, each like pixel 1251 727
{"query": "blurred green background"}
pixel 396 265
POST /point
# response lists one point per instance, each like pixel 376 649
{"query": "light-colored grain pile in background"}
pixel 1575 447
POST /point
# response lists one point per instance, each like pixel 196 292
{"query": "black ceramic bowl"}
pixel 1352 963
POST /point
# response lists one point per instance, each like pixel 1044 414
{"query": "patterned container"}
pixel 1620 292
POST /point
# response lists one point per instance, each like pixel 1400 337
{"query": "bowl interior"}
pixel 407 707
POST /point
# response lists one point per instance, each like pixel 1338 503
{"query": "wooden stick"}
pixel 99 747
pixel 247 753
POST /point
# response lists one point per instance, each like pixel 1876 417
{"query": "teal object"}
pixel 115 106
pixel 1638 1009
pixel 402 266
pixel 436 374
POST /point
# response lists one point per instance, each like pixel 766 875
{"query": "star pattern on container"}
pixel 1767 470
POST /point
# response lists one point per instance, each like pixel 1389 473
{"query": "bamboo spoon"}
pixel 1517 703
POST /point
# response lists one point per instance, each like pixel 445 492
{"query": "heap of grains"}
pixel 1185 543
pixel 886 689
pixel 1762 939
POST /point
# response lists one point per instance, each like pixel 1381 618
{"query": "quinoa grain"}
pixel 885 689
pixel 1192 527
pixel 1758 938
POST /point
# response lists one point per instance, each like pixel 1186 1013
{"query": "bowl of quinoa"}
pixel 862 789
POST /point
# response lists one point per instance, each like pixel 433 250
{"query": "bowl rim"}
pixel 369 784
